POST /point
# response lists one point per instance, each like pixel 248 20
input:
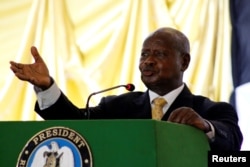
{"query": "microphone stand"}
pixel 129 87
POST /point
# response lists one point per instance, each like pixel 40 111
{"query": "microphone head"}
pixel 130 87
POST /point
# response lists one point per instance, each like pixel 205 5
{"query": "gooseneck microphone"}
pixel 129 87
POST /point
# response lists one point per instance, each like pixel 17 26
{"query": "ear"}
pixel 185 61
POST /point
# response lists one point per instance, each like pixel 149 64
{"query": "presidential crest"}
pixel 56 147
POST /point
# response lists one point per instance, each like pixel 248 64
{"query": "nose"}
pixel 149 60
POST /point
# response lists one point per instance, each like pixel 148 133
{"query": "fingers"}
pixel 21 76
pixel 18 70
pixel 16 67
pixel 188 116
pixel 182 115
pixel 36 54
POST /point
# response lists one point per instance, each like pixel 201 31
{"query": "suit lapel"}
pixel 142 104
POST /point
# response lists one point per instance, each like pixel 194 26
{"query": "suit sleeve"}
pixel 227 132
pixel 63 108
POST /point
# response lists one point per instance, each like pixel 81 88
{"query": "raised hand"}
pixel 36 73
pixel 186 115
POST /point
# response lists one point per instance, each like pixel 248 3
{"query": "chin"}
pixel 149 85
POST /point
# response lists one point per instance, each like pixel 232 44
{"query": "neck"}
pixel 163 90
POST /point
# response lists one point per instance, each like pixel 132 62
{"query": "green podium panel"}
pixel 116 143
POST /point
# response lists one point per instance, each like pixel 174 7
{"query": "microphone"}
pixel 129 87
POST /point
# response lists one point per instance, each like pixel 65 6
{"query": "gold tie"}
pixel 157 112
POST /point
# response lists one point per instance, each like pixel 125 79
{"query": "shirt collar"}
pixel 169 97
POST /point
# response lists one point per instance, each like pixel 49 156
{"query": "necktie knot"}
pixel 159 101
pixel 157 111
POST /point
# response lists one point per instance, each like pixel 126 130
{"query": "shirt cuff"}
pixel 47 97
pixel 211 133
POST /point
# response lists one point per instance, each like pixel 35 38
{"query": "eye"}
pixel 144 54
pixel 160 54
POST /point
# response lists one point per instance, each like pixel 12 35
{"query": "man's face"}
pixel 160 63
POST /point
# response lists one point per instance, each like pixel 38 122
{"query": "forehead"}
pixel 158 41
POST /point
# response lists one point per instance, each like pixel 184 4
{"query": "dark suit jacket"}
pixel 136 105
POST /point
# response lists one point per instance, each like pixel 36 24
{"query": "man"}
pixel 164 58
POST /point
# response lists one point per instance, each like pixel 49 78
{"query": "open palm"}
pixel 36 73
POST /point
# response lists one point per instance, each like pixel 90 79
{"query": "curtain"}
pixel 92 45
pixel 240 15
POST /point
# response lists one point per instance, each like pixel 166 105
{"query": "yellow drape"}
pixel 92 45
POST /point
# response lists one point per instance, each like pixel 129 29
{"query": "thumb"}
pixel 36 55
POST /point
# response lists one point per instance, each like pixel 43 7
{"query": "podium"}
pixel 116 143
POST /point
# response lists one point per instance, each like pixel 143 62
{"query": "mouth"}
pixel 147 72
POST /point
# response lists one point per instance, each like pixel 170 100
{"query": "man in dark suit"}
pixel 164 58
